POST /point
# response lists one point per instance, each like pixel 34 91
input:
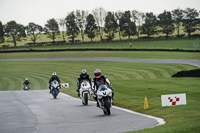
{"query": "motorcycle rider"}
pixel 81 77
pixel 54 77
pixel 100 80
pixel 26 82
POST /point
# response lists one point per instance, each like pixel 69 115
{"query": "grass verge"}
pixel 121 54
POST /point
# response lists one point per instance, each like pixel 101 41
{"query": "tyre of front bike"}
pixel 107 107
pixel 54 93
pixel 86 98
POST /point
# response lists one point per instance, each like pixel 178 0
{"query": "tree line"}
pixel 100 22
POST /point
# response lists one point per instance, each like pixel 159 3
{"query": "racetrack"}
pixel 37 111
pixel 179 61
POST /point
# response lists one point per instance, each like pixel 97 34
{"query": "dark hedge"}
pixel 191 73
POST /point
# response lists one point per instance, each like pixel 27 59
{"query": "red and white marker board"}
pixel 173 99
pixel 64 85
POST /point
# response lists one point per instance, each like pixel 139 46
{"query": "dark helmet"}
pixel 84 73
pixel 97 73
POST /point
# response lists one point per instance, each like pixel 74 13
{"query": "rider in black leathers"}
pixel 26 82
pixel 81 77
pixel 54 77
pixel 100 80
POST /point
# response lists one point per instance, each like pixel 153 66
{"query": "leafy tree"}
pixel 110 25
pixel 52 29
pixel 99 15
pixel 129 27
pixel 118 16
pixel 91 27
pixel 34 30
pixel 190 22
pixel 15 31
pixel 71 25
pixel 1 33
pixel 166 23
pixel 138 18
pixel 178 15
pixel 151 22
pixel 62 23
pixel 81 21
pixel 23 31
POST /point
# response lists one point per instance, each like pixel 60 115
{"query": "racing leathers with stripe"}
pixel 102 80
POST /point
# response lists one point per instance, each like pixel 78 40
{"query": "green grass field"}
pixel 192 44
pixel 132 82
pixel 119 54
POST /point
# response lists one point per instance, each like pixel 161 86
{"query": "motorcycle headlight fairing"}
pixel 99 96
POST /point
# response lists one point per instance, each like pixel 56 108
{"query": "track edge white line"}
pixel 160 121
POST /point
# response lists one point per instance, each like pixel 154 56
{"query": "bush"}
pixel 191 73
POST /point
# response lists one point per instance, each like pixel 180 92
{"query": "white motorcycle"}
pixel 85 92
pixel 104 99
pixel 26 87
pixel 55 86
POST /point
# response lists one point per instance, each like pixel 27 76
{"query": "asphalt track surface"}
pixel 179 61
pixel 37 112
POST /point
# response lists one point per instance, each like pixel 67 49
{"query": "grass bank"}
pixel 120 54
pixel 189 44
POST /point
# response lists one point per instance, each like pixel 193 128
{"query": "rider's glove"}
pixel 93 90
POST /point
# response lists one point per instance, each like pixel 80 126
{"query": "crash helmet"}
pixel 97 73
pixel 84 73
pixel 26 78
pixel 54 74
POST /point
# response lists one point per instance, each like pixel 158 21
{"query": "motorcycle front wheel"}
pixel 107 107
pixel 86 98
pixel 54 93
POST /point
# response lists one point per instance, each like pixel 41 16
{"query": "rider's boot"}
pixel 112 100
pixel 97 104
pixel 78 92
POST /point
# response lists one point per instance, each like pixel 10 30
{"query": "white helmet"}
pixel 84 72
pixel 26 78
pixel 54 74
